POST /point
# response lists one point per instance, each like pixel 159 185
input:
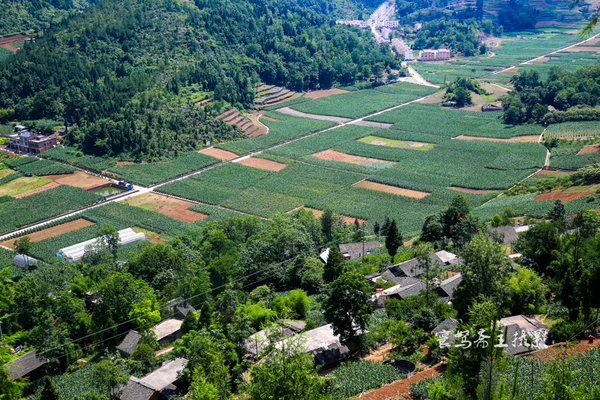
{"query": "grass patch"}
pixel 22 185
pixel 379 141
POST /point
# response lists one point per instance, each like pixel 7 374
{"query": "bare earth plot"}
pixel 78 179
pixel 401 144
pixel 317 94
pixel 173 208
pixel 289 111
pixel 392 189
pixel 572 193
pixel 348 158
pixel 218 153
pixel 590 148
pixel 51 232
pixel 318 213
pixel 528 138
pixel 262 163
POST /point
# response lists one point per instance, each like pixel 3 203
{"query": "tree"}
pixel 145 315
pixel 558 212
pixel 190 322
pixel 376 228
pixel 327 223
pixel 527 292
pixel 393 239
pixel 485 267
pixel 348 306
pixel 335 265
pixel 144 355
pixel 286 374
pixel 49 392
pixel 110 376
pixel 423 253
pixel 23 246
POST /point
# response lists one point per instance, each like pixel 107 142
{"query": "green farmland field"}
pixel 363 102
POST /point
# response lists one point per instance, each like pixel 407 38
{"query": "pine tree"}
pixel 376 228
pixel 327 223
pixel 385 226
pixel 49 392
pixel 204 318
pixel 393 239
pixel 335 265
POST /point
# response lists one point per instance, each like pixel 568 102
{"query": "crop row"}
pixel 148 174
pixel 45 226
pixel 567 157
pixel 352 379
pixel 72 156
pixel 10 177
pixel 297 100
pixel 44 167
pixel 572 130
pixel 42 205
pixel 46 249
pixel 285 127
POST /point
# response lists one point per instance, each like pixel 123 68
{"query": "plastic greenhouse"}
pixel 74 253
pixel 23 261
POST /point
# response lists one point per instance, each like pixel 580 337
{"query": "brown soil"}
pixel 465 190
pixel 539 60
pixel 562 195
pixel 322 93
pixel 9 47
pixel 262 88
pixel 262 163
pixel 528 138
pixel 12 38
pixel 173 208
pixel 577 49
pixel 78 179
pixel 400 389
pixel 125 163
pixel 347 158
pixel 268 118
pixel 391 189
pixel 219 153
pixel 546 24
pixel 47 186
pixel 318 213
pixel 379 353
pixel 512 71
pixel 51 232
pixel 590 148
pixel 432 99
pixel 559 350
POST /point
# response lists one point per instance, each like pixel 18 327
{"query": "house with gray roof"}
pixel 518 327
pixel 178 308
pixel 412 269
pixel 406 287
pixel 157 385
pixel 27 365
pixel 166 333
pixel 446 288
pixel 358 249
pixel 323 344
pixel 129 343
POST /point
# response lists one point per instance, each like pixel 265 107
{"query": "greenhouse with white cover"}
pixel 75 253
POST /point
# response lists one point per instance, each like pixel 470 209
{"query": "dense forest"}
pixel 573 95
pixel 120 70
pixel 24 15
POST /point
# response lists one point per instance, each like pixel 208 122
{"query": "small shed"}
pixel 159 384
pixel 447 287
pixel 23 261
pixel 324 345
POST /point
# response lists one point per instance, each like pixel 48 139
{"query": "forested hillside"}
pixel 18 16
pixel 124 71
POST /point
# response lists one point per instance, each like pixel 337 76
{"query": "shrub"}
pixel 564 330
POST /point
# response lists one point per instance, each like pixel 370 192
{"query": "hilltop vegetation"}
pixel 127 73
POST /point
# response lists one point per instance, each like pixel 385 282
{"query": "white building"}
pixel 408 55
pixel 434 55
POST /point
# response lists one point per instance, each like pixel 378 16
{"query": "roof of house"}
pixel 447 286
pixel 324 345
pixel 136 391
pixel 180 305
pixel 167 327
pixel 510 234
pixel 411 268
pixel 526 323
pixel 130 342
pixel 404 284
pixel 295 326
pixel 165 375
pixel 449 324
pixel 355 250
pixel 24 365
pixel 517 326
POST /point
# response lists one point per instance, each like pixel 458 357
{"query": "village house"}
pixel 434 55
pixel 166 333
pixel 28 365
pixel 29 142
pixel 157 385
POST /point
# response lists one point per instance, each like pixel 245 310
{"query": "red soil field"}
pixel 51 232
pixel 78 179
pixel 392 189
pixel 262 163
pixel 337 156
pixel 322 93
pixel 173 208
pixel 590 148
pixel 562 195
pixel 219 153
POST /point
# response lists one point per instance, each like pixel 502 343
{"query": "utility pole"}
pixel 363 240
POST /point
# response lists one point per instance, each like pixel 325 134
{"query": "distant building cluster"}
pixel 434 55
pixel 402 48
pixel 29 142
pixel 379 19
pixel 355 23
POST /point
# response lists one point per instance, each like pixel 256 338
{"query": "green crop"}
pixel 351 379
